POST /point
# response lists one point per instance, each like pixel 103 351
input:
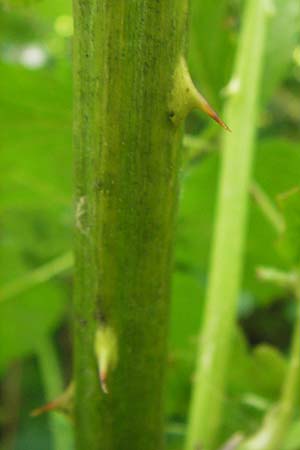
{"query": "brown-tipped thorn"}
pixel 63 403
pixel 51 406
pixel 205 106
pixel 103 383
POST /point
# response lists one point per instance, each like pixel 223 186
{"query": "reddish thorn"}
pixel 103 383
pixel 212 113
pixel 45 408
pixel 217 119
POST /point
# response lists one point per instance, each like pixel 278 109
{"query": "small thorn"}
pixel 205 106
pixel 51 406
pixel 63 403
pixel 105 345
pixel 103 382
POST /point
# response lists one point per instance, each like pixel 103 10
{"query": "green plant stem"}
pixel 127 163
pixel 61 428
pixel 229 234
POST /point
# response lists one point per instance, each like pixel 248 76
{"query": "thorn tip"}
pixel 44 409
pixel 103 382
pixel 205 106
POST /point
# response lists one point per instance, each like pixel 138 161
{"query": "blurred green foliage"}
pixel 36 210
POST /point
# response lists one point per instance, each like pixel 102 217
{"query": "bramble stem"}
pixel 127 164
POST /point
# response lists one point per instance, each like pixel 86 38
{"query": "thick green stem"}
pixel 127 162
pixel 229 235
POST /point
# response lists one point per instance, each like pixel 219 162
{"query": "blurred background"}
pixel 36 220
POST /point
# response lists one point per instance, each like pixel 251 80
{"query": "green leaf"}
pixel 283 35
pixel 212 44
pixel 24 321
pixel 257 373
pixel 292 441
pixel 255 382
pixel 290 242
pixel 36 217
pixel 186 302
pixel 40 8
pixel 268 371
pixel 276 170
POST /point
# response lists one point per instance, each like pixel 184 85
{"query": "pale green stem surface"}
pixel 229 234
pixel 60 426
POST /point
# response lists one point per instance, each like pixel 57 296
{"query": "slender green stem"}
pixel 127 162
pixel 37 276
pixel 229 234
pixel 61 427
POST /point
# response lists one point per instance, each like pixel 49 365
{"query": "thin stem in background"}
pixel 229 234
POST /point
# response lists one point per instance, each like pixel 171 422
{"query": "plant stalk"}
pixel 229 234
pixel 127 163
